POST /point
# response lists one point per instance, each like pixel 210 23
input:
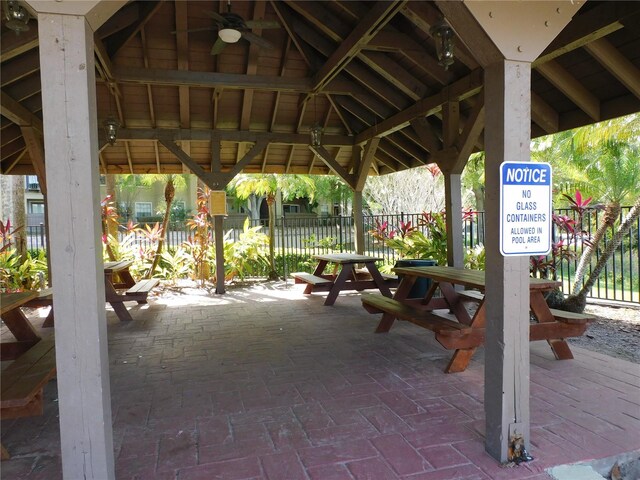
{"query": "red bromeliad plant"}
pixel 198 244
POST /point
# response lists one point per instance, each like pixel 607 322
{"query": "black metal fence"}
pixel 300 238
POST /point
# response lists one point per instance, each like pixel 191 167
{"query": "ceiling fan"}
pixel 232 27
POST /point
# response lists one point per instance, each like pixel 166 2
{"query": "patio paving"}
pixel 266 383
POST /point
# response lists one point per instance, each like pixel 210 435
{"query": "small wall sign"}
pixel 218 202
pixel 525 208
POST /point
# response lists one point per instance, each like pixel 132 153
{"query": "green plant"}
pixel 409 241
pixel 248 255
pixel 197 244
pixel 175 264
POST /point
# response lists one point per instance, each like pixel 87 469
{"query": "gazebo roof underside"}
pixel 360 69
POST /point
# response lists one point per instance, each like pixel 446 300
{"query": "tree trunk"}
pixel 611 213
pixel 19 216
pixel 169 194
pixel 577 302
pixel 271 201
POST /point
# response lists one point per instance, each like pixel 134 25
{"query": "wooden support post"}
pixel 218 224
pixel 453 209
pixel 358 221
pixel 71 146
pixel 507 137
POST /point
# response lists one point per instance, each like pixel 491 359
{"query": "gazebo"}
pixel 345 88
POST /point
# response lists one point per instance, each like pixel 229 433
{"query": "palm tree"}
pixel 604 162
pixel 171 181
pixel 267 185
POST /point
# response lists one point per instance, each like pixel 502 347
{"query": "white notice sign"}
pixel 525 208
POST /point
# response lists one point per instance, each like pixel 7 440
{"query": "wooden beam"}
pixel 13 45
pixel 145 57
pixel 586 27
pixel 252 68
pixel 467 139
pixel 119 40
pixel 368 155
pixel 457 91
pixel 333 164
pixel 572 88
pixel 394 73
pixel 229 136
pixel 182 52
pixel 35 145
pixel 155 76
pixel 15 161
pixel 18 114
pixel 170 145
pixel 250 155
pixel 544 114
pixel 617 64
pixel 425 133
pixel 375 19
pixel 216 164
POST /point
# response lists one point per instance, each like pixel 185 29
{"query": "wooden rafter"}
pixel 425 133
pixel 119 40
pixel 145 58
pixel 17 113
pixel 544 114
pixel 333 164
pixel 12 45
pixel 572 88
pixel 374 20
pixel 617 64
pixel 368 155
pixel 252 68
pixel 182 51
pixel 20 67
pixel 35 146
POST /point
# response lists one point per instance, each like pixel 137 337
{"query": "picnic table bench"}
pixel 345 276
pixel 448 318
pixel 117 278
pixel 23 381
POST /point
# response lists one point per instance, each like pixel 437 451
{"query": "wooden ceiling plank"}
pixel 35 145
pixel 410 148
pixel 18 114
pixel 596 23
pixel 10 134
pixel 264 159
pixel 544 114
pixel 154 76
pixel 373 21
pixel 388 162
pixel 345 123
pixel 616 63
pixel 21 67
pixel 572 88
pixel 289 159
pixel 333 164
pixel 216 164
pixel 464 88
pixel 12 45
pixel 394 152
pixel 24 89
pixel 120 39
pixel 123 18
pixel 368 154
pixel 361 74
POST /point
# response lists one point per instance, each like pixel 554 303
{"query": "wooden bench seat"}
pixel 375 303
pixel 471 295
pixel 143 286
pixel 43 300
pixel 570 317
pixel 141 289
pixel 308 278
pixel 23 381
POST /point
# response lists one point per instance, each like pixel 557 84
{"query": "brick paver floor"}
pixel 265 383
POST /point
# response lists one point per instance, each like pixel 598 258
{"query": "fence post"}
pixel 42 244
pixel 283 249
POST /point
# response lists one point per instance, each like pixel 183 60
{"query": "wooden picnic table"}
pixel 17 323
pixel 117 277
pixel 345 276
pixel 457 330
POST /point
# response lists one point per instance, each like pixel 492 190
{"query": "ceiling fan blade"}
pixel 263 24
pixel 202 29
pixel 218 46
pixel 216 16
pixel 259 41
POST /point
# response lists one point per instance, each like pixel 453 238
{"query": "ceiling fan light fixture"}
pixel 229 35
pixel 444 38
pixel 17 17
